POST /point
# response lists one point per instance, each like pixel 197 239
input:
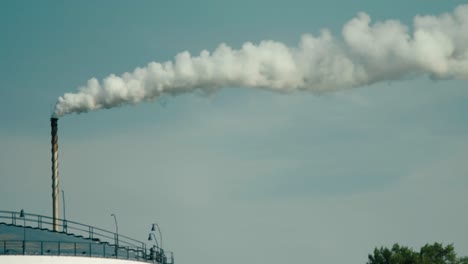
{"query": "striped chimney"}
pixel 55 173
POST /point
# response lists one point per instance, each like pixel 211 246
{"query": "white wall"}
pixel 61 260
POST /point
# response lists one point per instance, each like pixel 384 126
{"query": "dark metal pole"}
pixel 64 215
pixel 154 253
pixel 159 230
pixel 24 235
pixel 63 199
pixel 117 236
pixel 24 230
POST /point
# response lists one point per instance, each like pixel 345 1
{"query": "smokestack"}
pixel 55 174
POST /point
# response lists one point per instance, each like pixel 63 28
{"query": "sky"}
pixel 242 174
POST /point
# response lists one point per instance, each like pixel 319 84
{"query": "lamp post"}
pixel 151 238
pixel 116 235
pixel 24 230
pixel 159 231
pixel 152 252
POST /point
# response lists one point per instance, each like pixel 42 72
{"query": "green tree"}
pixel 438 254
pixel 428 254
pixel 396 255
pixel 463 260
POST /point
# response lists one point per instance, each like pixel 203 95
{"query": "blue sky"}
pixel 241 174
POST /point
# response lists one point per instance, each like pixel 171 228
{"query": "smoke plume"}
pixel 366 53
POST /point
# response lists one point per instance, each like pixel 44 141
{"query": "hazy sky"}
pixel 240 175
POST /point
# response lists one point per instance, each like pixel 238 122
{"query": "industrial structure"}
pixel 55 182
pixel 30 238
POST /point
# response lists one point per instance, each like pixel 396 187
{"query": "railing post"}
pixel 64 227
pixel 58 247
pixel 42 248
pixel 75 248
pixel 116 239
pixel 91 232
pixel 89 249
pixel 104 249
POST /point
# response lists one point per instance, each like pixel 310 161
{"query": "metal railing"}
pixel 60 248
pixel 102 243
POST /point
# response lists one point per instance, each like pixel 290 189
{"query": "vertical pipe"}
pixel 55 174
pixel 64 221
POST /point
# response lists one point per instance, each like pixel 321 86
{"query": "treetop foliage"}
pixel 428 254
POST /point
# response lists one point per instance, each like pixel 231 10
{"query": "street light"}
pixel 24 230
pixel 116 235
pixel 159 253
pixel 151 238
pixel 159 230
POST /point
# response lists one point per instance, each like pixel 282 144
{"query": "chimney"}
pixel 55 174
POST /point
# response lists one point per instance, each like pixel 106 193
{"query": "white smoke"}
pixel 367 53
